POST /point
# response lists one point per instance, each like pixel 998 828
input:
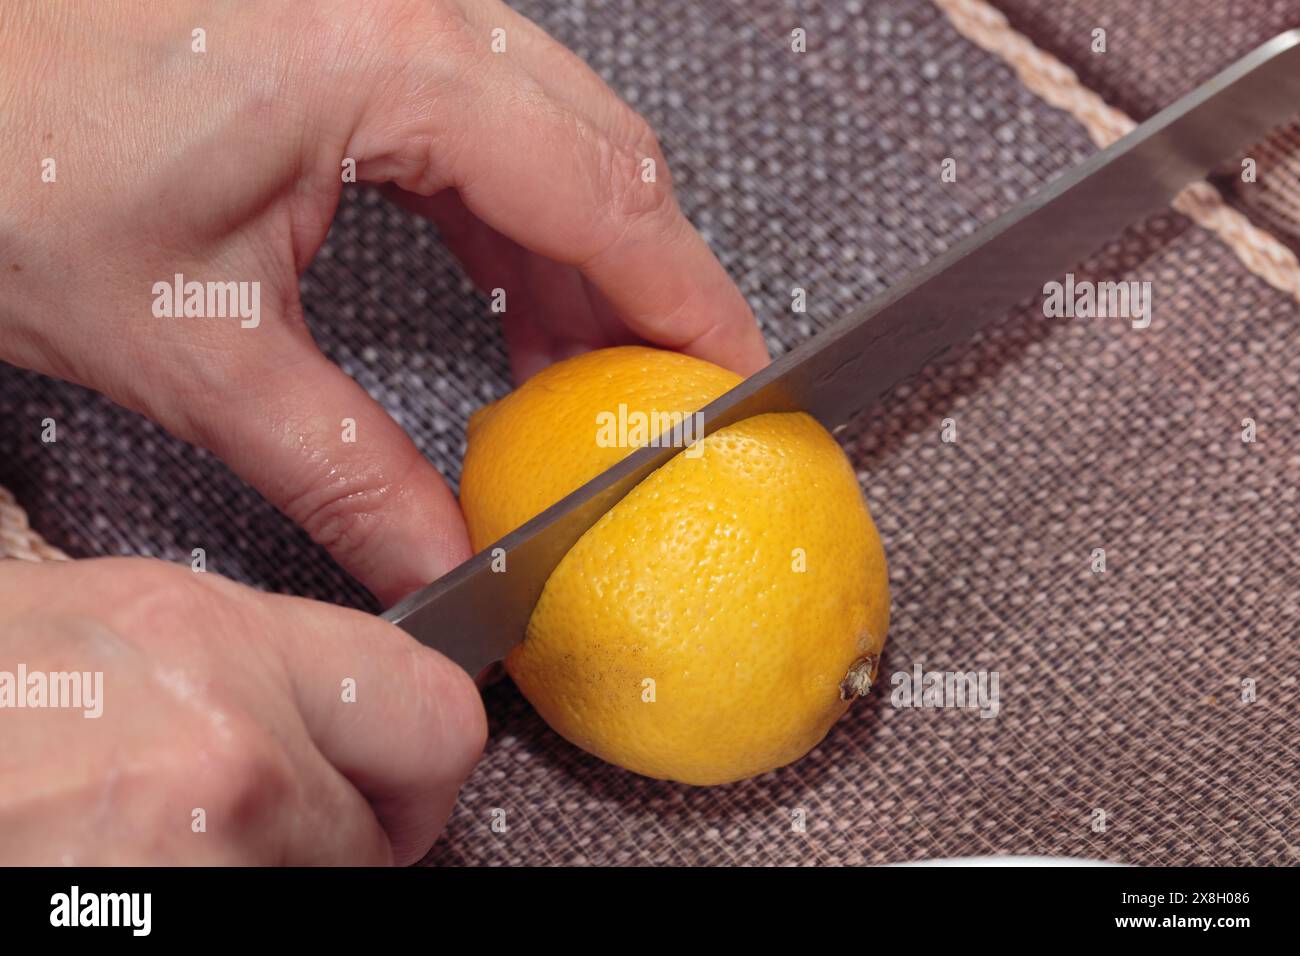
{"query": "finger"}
pixel 338 825
pixel 570 82
pixel 268 795
pixel 401 722
pixel 551 312
pixel 307 436
pixel 568 183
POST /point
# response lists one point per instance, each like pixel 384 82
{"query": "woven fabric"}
pixel 1158 53
pixel 1122 731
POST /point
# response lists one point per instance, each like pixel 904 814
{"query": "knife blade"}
pixel 476 613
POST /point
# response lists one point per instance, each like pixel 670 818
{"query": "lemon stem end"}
pixel 857 682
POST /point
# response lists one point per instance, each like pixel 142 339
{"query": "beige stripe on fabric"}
pixel 1056 84
pixel 17 537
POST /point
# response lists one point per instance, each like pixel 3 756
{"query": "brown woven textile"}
pixel 1121 692
pixel 1156 50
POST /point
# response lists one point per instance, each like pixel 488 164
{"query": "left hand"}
pixel 226 166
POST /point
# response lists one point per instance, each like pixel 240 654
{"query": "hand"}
pixel 225 166
pixel 222 706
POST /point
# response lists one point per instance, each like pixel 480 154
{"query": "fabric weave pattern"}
pixel 1121 692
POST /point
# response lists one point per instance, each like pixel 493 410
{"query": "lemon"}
pixel 718 620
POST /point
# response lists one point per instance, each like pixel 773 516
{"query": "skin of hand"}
pixel 221 699
pixel 128 155
pixel 226 165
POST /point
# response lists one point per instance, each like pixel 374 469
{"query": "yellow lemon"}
pixel 718 620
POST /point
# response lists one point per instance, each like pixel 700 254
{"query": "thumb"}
pixel 331 458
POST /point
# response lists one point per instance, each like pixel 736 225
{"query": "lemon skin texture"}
pixel 701 630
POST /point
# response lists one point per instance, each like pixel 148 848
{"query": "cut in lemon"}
pixel 719 619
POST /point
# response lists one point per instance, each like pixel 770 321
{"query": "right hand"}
pixel 222 699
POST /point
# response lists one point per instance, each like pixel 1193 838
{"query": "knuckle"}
pixel 635 174
pixel 409 70
pixel 403 16
pixel 640 133
pixel 411 35
pixel 454 710
pixel 345 515
pixel 160 596
pixel 364 34
pixel 155 604
pixel 242 779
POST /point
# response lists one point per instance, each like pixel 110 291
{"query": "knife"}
pixel 476 613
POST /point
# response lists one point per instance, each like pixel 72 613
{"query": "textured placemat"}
pixel 1122 732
